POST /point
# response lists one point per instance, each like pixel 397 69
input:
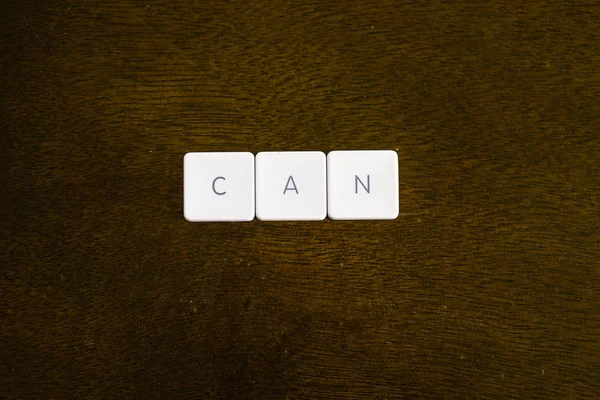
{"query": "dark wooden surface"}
pixel 486 286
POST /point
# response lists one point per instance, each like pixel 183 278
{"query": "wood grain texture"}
pixel 486 286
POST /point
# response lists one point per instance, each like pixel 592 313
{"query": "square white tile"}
pixel 291 186
pixel 363 184
pixel 218 186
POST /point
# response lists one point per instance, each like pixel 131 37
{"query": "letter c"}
pixel 213 186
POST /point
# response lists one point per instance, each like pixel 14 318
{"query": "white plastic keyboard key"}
pixel 363 184
pixel 218 187
pixel 291 186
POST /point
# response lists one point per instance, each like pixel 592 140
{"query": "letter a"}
pixel 287 185
pixel 367 188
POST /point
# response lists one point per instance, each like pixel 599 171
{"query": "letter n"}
pixel 357 180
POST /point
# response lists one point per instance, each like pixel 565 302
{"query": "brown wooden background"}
pixel 486 286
